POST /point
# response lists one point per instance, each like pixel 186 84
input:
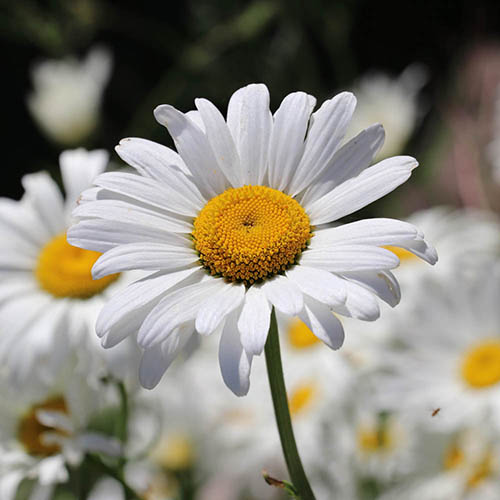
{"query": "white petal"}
pixel 52 470
pixel 421 249
pixel 360 303
pixel 9 482
pixel 287 140
pixel 56 420
pixel 214 309
pixel 103 235
pixel 79 168
pixel 349 161
pixel 150 158
pixel 381 283
pixel 178 197
pixel 140 294
pixel 156 360
pixel 47 200
pixel 350 258
pixel 328 128
pixel 357 192
pixel 284 295
pixel 16 261
pixel 124 211
pixel 20 224
pixel 221 141
pixel 175 309
pixel 145 256
pixel 192 144
pixel 377 232
pixel 195 117
pixel 254 320
pixel 164 165
pixel 250 123
pixel 323 323
pixel 235 362
pixel 321 285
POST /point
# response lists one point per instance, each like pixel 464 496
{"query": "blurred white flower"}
pixel 48 299
pixel 226 226
pixel 451 359
pixel 107 489
pixel 393 102
pixel 459 466
pixel 67 94
pixel 463 238
pixel 43 429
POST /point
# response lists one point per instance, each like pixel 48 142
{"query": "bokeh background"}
pixel 174 53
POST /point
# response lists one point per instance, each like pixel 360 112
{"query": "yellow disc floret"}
pixel 301 397
pixel 300 336
pixel 403 254
pixel 30 430
pixel 250 233
pixel 375 439
pixel 481 365
pixel 65 271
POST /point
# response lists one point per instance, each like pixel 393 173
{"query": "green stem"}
pixel 112 472
pixel 282 412
pixel 122 432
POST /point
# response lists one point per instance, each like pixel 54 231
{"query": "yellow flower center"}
pixel 302 397
pixel 481 365
pixel 374 439
pixel 30 430
pixel 403 254
pixel 476 471
pixel 250 233
pixel 174 453
pixel 300 336
pixel 65 271
pixel 453 457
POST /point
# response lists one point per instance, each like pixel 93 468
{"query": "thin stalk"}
pixel 282 412
pixel 122 432
pixel 112 472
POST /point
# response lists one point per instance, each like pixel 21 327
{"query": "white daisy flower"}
pixel 391 101
pixel 232 225
pixel 448 373
pixel 48 299
pixel 43 430
pixel 461 466
pixel 456 234
pixel 67 95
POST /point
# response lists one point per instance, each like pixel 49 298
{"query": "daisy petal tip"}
pixel 163 113
pixel 147 380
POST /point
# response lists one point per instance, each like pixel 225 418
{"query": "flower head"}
pixel 233 224
pixel 48 299
pixel 67 95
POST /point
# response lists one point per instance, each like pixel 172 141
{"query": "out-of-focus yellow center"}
pixel 65 271
pixel 453 457
pixel 375 439
pixel 481 365
pixel 174 453
pixel 403 254
pixel 250 233
pixel 300 335
pixel 476 471
pixel 481 471
pixel 302 397
pixel 30 430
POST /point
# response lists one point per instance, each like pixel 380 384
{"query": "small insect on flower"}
pixel 435 412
